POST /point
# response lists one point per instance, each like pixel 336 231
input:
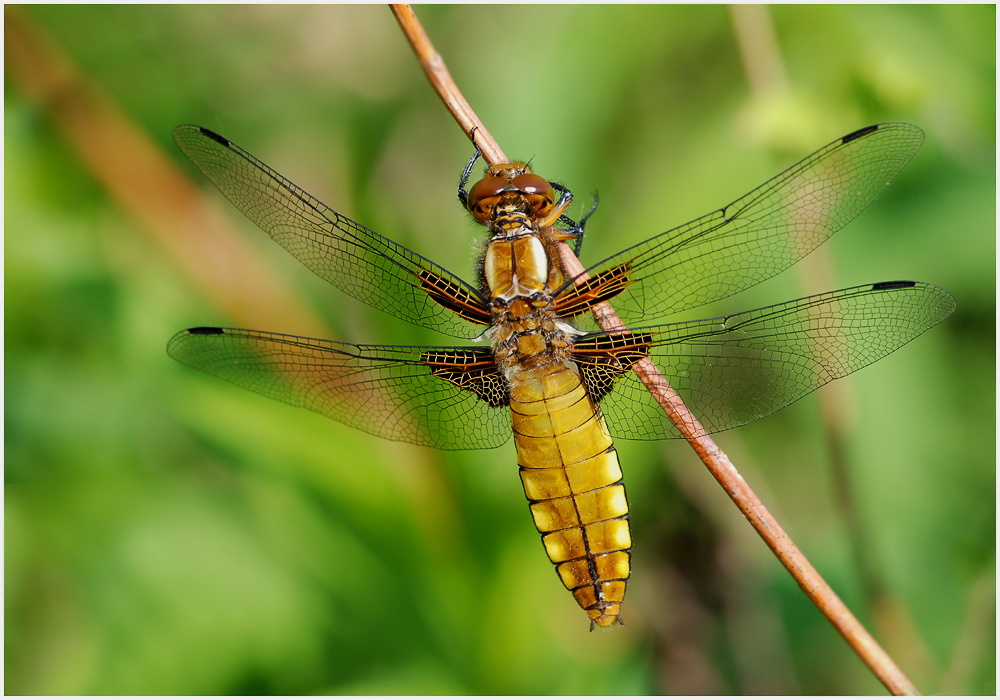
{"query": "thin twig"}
pixel 446 88
pixel 714 458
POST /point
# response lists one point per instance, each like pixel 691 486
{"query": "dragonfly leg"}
pixel 574 230
pixel 463 195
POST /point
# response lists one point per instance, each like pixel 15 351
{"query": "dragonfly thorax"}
pixel 526 334
pixel 522 274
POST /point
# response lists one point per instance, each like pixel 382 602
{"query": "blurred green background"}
pixel 168 533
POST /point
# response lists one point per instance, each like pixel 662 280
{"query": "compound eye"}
pixel 529 183
pixel 484 196
pixel 539 191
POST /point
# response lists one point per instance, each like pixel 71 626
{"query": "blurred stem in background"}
pixel 773 108
pixel 148 185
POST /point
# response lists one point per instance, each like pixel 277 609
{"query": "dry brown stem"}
pixel 714 458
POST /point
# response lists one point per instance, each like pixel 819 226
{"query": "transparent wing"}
pixel 384 390
pixel 356 260
pixel 763 232
pixel 735 369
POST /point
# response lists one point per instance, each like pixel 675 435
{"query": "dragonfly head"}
pixel 510 182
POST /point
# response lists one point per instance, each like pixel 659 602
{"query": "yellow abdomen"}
pixel 571 476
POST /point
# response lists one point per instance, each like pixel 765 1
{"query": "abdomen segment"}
pixel 571 476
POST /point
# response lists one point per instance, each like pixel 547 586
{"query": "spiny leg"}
pixel 574 230
pixel 463 195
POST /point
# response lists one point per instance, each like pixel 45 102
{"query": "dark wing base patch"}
pixel 603 359
pixel 606 285
pixel 454 297
pixel 471 370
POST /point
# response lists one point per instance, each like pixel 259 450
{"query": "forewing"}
pixel 356 260
pixel 763 232
pixel 384 390
pixel 732 370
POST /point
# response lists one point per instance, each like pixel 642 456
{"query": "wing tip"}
pixel 218 138
pixel 915 131
pixel 896 284
pixel 864 131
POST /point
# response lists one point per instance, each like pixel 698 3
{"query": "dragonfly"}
pixel 536 365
